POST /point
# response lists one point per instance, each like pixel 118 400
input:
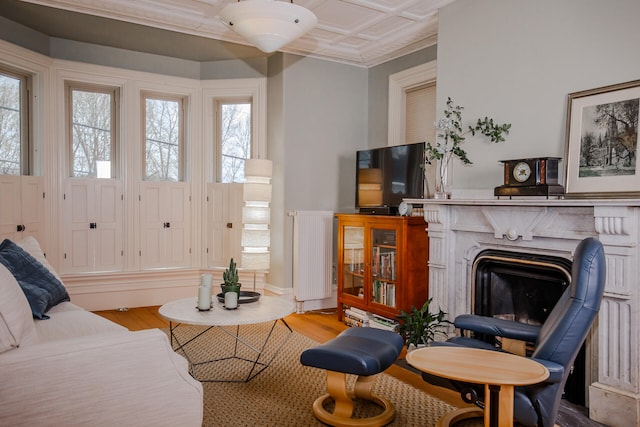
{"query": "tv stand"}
pixel 379 210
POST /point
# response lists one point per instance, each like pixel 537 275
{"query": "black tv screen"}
pixel 385 176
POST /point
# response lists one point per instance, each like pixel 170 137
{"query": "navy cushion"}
pixel 358 351
pixel 42 289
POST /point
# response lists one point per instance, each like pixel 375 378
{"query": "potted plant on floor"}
pixel 419 326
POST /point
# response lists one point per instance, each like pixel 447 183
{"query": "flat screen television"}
pixel 386 175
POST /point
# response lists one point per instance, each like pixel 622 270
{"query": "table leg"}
pixel 258 363
pixel 498 406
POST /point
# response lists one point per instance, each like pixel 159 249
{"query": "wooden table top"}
pixel 477 366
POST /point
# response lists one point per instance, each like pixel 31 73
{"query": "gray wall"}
pixel 518 60
pixel 317 118
pixel 24 36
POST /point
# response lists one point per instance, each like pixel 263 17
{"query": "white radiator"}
pixel 312 254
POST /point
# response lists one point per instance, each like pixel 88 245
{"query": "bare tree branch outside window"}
pixel 10 135
pixel 235 136
pixel 91 132
pixel 162 148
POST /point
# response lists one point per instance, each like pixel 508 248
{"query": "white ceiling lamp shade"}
pixel 268 24
pixel 256 214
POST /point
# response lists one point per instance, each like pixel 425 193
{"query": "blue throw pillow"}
pixel 41 288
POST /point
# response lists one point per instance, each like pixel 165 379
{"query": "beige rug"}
pixel 283 394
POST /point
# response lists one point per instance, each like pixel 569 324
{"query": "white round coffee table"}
pixel 266 309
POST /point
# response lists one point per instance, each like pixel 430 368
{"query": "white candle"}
pixel 230 300
pixel 204 298
pixel 206 280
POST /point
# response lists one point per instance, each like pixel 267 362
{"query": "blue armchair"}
pixel 556 342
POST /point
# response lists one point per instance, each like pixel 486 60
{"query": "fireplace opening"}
pixel 525 288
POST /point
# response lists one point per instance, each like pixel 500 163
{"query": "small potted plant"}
pixel 419 326
pixel 230 277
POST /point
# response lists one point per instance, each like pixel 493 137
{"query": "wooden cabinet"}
pixel 382 263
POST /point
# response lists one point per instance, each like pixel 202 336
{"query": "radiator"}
pixel 312 254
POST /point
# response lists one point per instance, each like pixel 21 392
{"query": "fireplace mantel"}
pixel 460 228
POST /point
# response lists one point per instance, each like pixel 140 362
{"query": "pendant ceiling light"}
pixel 268 24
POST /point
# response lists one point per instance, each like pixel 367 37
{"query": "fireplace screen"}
pixel 519 287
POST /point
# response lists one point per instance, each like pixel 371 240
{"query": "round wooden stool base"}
pixel 458 415
pixel 338 421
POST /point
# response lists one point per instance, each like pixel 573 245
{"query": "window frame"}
pixel 26 116
pixel 399 84
pixel 114 91
pixel 218 102
pixel 182 123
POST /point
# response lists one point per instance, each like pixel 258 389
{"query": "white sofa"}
pixel 77 368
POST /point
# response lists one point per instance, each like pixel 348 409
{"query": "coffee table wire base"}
pixel 256 365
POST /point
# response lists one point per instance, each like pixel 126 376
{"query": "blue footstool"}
pixel 358 351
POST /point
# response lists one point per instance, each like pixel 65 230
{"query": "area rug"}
pixel 283 393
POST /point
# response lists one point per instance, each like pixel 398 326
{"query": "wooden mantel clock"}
pixel 536 176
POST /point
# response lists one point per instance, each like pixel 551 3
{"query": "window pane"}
pixel 91 133
pixel 235 140
pixel 10 130
pixel 163 134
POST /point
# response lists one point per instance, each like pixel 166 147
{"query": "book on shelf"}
pixel 350 314
pixel 384 264
pixel 359 312
pixel 382 322
pixel 355 323
pixel 356 317
pixel 377 325
pixel 384 293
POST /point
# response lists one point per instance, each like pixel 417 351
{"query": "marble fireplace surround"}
pixel 459 229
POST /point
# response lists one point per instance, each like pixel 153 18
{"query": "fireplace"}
pixel 524 287
pixel 460 229
pixel 518 286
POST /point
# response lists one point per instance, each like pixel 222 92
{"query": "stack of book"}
pixel 381 322
pixel 356 317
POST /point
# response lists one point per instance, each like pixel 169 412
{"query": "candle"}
pixel 204 298
pixel 230 300
pixel 206 280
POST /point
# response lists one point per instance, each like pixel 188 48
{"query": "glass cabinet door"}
pixel 383 267
pixel 353 259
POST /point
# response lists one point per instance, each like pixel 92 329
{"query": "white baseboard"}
pixel 318 304
pixel 109 291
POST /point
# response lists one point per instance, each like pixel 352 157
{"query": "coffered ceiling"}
pixel 359 32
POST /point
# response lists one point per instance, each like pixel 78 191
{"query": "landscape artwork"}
pixel 602 142
pixel 609 139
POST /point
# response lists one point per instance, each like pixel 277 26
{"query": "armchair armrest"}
pixel 497 327
pixel 556 371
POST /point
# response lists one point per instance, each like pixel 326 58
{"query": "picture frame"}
pixel 602 141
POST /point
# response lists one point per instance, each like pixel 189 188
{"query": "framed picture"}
pixel 602 142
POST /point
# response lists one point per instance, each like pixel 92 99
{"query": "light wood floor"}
pixel 319 326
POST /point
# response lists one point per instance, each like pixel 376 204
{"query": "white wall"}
pixel 517 61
